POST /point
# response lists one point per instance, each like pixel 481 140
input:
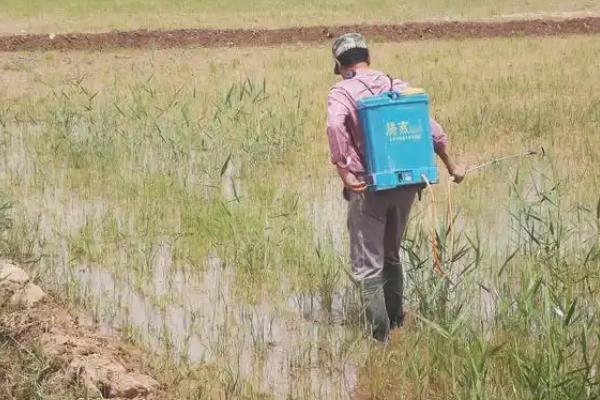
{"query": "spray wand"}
pixel 504 158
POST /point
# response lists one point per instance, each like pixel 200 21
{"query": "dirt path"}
pixel 266 37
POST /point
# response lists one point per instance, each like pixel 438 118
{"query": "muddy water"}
pixel 292 348
pixel 230 181
pixel 326 208
pixel 287 349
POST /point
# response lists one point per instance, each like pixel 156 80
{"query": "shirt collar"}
pixel 367 71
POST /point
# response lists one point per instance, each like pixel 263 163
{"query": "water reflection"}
pixel 197 317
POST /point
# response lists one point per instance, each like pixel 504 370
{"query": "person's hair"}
pixel 353 56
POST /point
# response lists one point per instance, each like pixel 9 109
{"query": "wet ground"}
pixel 281 346
pixel 286 340
pixel 269 37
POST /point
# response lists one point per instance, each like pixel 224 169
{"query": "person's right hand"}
pixel 351 182
pixel 458 173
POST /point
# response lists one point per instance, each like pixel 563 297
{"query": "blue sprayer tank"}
pixel 397 137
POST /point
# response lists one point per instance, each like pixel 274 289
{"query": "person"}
pixel 376 220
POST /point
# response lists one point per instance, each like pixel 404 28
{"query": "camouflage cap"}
pixel 346 42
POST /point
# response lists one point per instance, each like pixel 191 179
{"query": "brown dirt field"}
pixel 270 37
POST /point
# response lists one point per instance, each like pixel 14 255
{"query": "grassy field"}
pixel 101 15
pixel 185 198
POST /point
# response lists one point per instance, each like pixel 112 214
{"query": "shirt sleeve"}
pixel 440 140
pixel 339 138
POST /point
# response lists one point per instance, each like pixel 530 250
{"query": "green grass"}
pixel 101 15
pixel 538 340
pixel 115 153
pixel 25 373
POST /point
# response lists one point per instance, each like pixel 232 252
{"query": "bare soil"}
pixel 270 37
pixel 78 356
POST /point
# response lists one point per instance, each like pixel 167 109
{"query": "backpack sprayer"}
pixel 399 149
pixel 397 134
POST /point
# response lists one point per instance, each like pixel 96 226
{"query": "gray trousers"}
pixel 376 224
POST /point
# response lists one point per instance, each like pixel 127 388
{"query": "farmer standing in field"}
pixel 376 220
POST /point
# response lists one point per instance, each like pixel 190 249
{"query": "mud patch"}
pixel 77 354
pixel 270 37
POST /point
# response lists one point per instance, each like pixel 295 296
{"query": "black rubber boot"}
pixel 393 288
pixel 375 311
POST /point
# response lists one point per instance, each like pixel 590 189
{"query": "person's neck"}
pixel 360 66
pixel 354 69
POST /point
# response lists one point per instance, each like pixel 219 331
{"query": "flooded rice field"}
pixel 287 349
pixel 284 342
pixel 195 214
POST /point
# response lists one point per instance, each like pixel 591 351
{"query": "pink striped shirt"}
pixel 343 129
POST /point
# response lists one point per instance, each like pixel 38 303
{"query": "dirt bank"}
pixel 79 359
pixel 270 37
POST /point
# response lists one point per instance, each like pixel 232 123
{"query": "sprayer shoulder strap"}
pixel 354 144
pixel 367 86
pixel 371 90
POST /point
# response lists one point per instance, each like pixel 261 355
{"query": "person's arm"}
pixel 440 145
pixel 340 142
